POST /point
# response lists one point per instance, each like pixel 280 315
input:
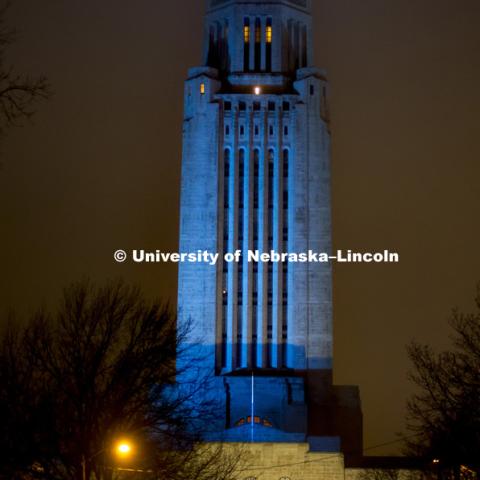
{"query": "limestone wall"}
pixel 292 461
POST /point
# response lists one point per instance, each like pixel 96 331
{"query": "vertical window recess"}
pixel 258 45
pixel 268 49
pixel 246 44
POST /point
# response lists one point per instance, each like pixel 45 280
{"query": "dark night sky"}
pixel 99 168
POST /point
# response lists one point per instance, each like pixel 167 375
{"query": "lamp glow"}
pixel 257 90
pixel 123 449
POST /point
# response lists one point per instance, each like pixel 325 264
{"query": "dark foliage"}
pixel 102 368
pixel 446 412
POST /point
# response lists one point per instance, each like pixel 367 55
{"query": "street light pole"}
pixel 84 468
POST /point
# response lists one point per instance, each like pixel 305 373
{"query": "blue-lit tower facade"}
pixel 256 177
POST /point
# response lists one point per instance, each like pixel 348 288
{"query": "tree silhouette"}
pixel 18 93
pixel 103 367
pixel 445 413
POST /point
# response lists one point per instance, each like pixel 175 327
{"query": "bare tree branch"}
pixel 445 411
pixel 103 366
pixel 19 94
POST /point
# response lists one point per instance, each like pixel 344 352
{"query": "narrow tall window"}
pixel 219 46
pixel 246 31
pixel 226 235
pixel 202 89
pixel 241 206
pixel 255 309
pixel 304 47
pixel 271 227
pixel 258 45
pixel 258 31
pixel 286 167
pixel 246 44
pixel 285 174
pixel 269 39
pixel 296 33
pixel 291 44
pixel 226 170
pixel 269 31
pixel 284 315
pixel 271 172
pixel 254 318
pixel 239 313
pixel 270 316
pixel 224 49
pixel 211 47
pixel 241 186
pixel 256 187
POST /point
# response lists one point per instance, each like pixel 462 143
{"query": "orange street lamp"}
pixel 124 449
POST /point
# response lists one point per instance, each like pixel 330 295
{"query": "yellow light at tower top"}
pixel 246 34
pixel 269 34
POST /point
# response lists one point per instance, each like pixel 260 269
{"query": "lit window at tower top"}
pixel 246 33
pixel 258 32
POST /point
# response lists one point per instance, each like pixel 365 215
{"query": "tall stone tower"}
pixel 256 177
